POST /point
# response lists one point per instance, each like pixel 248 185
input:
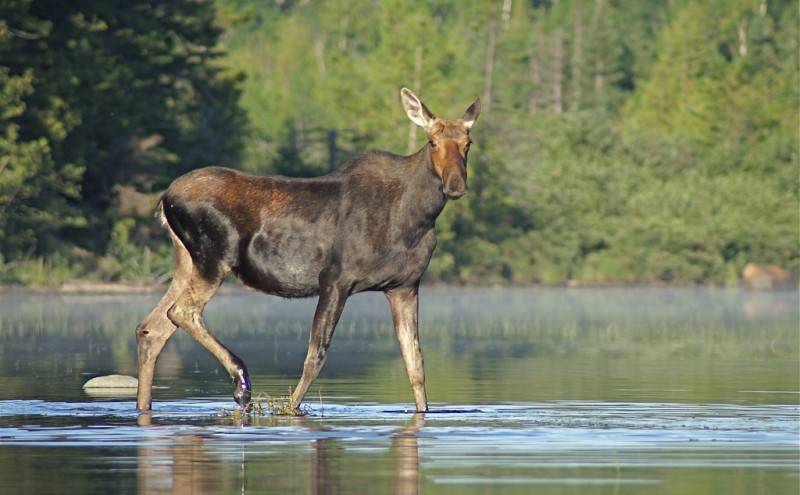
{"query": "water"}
pixel 532 391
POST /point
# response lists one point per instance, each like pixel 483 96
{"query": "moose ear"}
pixel 471 115
pixel 415 109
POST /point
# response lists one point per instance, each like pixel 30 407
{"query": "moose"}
pixel 369 226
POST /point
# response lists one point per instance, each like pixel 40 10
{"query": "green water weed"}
pixel 267 405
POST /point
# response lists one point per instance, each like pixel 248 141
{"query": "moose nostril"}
pixel 455 192
pixel 455 187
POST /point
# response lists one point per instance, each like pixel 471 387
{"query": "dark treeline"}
pixel 620 140
pixel 97 98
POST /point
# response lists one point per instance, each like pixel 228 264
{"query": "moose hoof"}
pixel 242 389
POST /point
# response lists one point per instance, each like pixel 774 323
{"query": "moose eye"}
pixel 433 145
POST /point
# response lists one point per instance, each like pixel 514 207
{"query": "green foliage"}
pixel 626 141
pixel 95 94
pixel 39 272
pixel 126 260
pixel 27 172
pixel 594 163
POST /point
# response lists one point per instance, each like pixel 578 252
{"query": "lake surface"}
pixel 546 391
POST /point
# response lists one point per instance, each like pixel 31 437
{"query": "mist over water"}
pixel 531 390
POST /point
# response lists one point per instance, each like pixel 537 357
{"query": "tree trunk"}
pixel 600 80
pixel 486 101
pixel 506 13
pixel 577 57
pixel 535 70
pixel 319 49
pixel 742 27
pixel 558 71
pixel 598 42
pixel 343 26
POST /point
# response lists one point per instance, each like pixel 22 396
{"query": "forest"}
pixel 620 141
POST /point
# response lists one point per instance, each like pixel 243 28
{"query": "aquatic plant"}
pixel 267 405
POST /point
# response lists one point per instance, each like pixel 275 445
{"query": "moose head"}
pixel 448 141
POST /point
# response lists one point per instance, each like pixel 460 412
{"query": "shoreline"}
pixel 84 288
pixel 122 288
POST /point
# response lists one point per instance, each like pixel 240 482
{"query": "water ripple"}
pixel 508 428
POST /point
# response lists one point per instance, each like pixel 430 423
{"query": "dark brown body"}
pixel 371 224
pixel 367 227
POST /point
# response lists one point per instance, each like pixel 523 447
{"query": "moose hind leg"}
pixel 405 308
pixel 155 330
pixel 151 337
pixel 187 313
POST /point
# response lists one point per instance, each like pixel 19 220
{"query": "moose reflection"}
pixel 326 478
pixel 184 466
pixel 188 464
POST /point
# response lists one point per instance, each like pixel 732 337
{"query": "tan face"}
pixel 448 141
pixel 449 144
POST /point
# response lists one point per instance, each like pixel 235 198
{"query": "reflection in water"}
pixel 326 456
pixel 191 464
pixel 325 477
pixel 759 306
pixel 181 467
pixel 145 418
pixel 405 452
pixel 687 391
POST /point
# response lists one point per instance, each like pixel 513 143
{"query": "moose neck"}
pixel 426 185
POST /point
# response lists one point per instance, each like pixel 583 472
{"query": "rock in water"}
pixel 112 381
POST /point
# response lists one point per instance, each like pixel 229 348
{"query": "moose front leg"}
pixel 405 308
pixel 329 308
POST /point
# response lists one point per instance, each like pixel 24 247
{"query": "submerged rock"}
pixel 111 381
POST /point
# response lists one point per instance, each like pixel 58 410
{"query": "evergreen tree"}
pixel 620 141
pixel 117 92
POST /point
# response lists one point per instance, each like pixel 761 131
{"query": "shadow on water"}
pixel 547 391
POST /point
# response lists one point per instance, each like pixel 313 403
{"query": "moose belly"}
pixel 283 263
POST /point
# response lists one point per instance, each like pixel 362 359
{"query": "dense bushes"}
pixel 92 95
pixel 620 142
